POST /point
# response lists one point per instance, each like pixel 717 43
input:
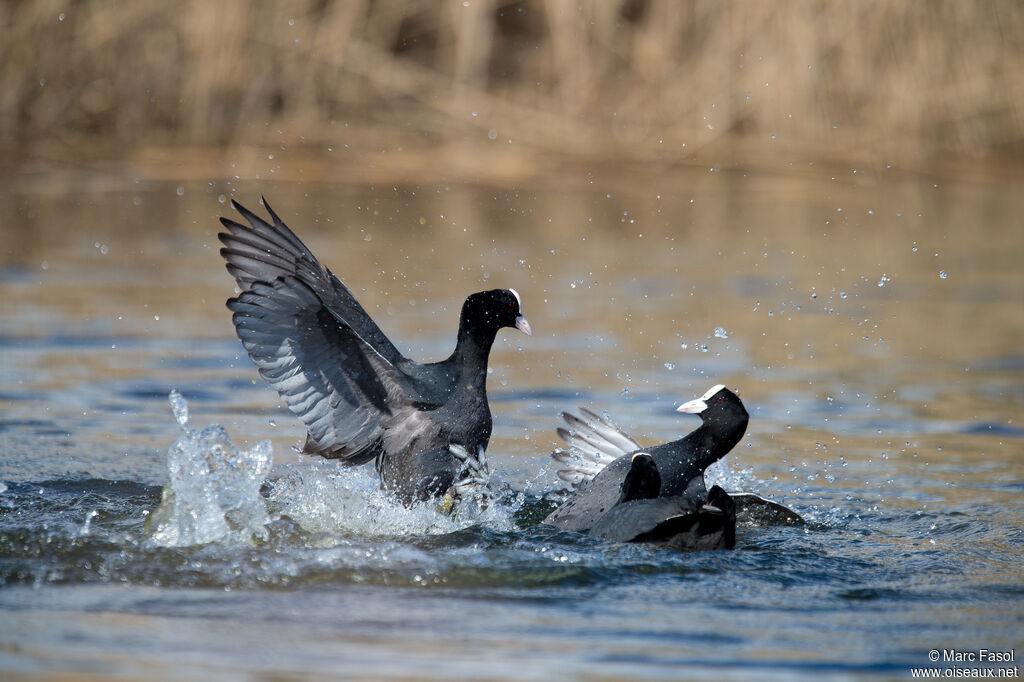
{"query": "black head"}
pixel 719 408
pixel 494 309
pixel 642 482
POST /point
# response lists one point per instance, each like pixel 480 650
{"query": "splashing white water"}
pixel 721 474
pixel 321 497
pixel 214 496
pixel 214 493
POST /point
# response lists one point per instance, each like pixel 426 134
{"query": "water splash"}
pixel 214 493
pixel 214 496
pixel 720 473
pixel 323 498
pixel 179 406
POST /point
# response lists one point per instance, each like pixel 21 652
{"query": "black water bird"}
pixel 600 457
pixel 640 515
pixel 425 424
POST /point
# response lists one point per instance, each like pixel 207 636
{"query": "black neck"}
pixel 717 439
pixel 472 350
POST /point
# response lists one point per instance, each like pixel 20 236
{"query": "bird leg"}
pixel 476 475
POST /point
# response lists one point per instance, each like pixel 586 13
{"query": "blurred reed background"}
pixel 490 91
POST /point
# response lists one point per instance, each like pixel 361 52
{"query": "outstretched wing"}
pixel 265 252
pixel 330 378
pixel 594 442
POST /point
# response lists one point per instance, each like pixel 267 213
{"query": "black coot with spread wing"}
pixel 601 457
pixel 358 396
pixel 640 515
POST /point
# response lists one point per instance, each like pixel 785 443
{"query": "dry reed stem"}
pixel 655 81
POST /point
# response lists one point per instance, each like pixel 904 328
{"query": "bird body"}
pixel 681 463
pixel 360 398
pixel 643 514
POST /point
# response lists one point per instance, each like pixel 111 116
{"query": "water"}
pixel 885 407
pixel 213 493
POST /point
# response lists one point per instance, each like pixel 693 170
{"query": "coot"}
pixel 600 453
pixel 425 425
pixel 640 515
pixel 600 457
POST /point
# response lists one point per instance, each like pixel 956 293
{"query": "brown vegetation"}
pixel 483 88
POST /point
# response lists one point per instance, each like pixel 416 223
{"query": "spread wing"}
pixel 329 376
pixel 594 443
pixel 265 252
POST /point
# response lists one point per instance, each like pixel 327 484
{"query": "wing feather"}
pixel 594 442
pixel 328 376
pixel 265 252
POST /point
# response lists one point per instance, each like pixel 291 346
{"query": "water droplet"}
pixel 842 295
pixel 669 366
pixel 943 274
pixel 179 406
pixel 720 333
pixel 885 278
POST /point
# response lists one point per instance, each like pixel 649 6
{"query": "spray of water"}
pixel 214 496
pixel 214 491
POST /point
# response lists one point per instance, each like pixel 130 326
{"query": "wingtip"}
pixel 270 211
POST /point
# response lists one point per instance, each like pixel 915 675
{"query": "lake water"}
pixel 871 322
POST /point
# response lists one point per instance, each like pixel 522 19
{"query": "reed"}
pixel 473 83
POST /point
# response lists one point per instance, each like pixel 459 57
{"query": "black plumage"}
pixel 599 473
pixel 358 396
pixel 640 515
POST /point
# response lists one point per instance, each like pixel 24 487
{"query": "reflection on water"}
pixel 871 326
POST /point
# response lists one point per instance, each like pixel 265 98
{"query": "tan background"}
pixel 487 91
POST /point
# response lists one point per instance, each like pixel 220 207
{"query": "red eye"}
pixel 721 399
pixel 512 306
